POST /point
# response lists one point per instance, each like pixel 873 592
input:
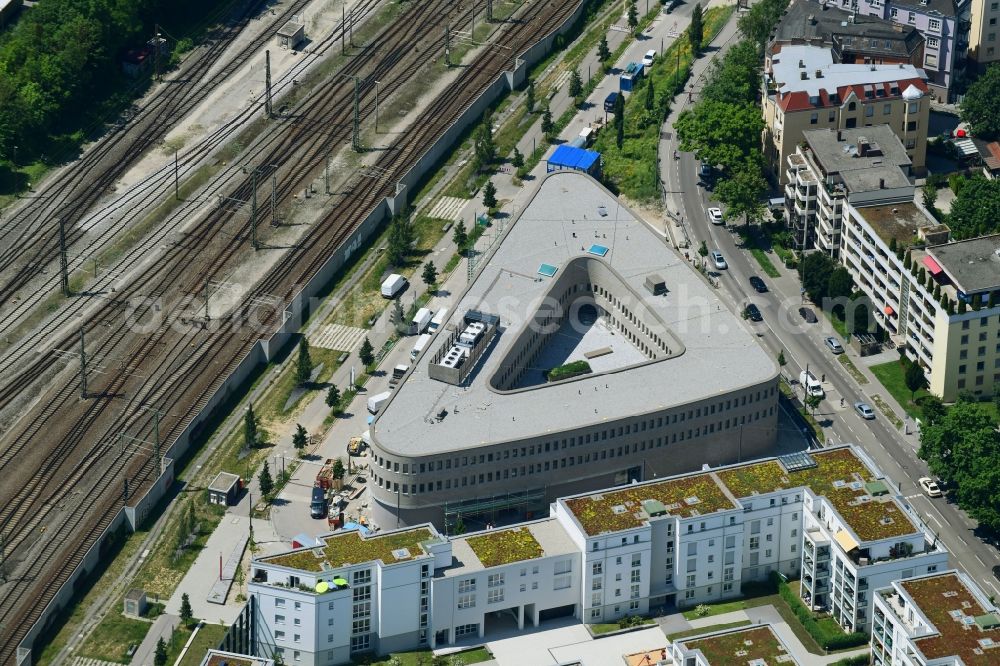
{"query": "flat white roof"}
pixel 787 73
pixel 563 218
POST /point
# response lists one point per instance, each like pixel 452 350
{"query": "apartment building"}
pixel 899 257
pixel 832 168
pixel 983 47
pixel 851 38
pixel 937 20
pixel 757 645
pixel 680 540
pixel 806 89
pixel 941 619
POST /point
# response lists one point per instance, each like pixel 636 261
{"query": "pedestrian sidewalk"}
pixel 163 627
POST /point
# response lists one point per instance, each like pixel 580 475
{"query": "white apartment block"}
pixel 832 168
pixel 758 645
pixel 941 619
pixel 680 540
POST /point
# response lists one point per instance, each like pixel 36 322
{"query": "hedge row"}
pixel 805 616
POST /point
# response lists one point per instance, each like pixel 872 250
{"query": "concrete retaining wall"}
pixel 265 350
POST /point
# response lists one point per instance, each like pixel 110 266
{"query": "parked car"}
pixel 704 170
pixel 929 486
pixel 808 315
pixel 833 344
pixel 864 410
pixel 718 260
pixel 753 313
pixel 647 60
pixel 758 284
pixel 715 216
pixel 609 102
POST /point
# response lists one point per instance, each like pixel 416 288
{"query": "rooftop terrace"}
pixel 345 549
pixel 742 646
pixel 527 541
pixel 839 475
pixel 505 546
pixel 953 609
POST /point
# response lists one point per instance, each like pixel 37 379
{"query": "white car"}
pixel 715 216
pixel 647 60
pixel 719 260
pixel 929 486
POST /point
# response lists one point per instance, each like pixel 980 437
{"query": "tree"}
pixel 430 274
pixel 721 133
pixel 548 127
pixel 735 77
pixel 265 480
pixel 300 437
pixel 304 364
pixel 400 239
pixel 186 609
pixel 490 195
pixel 815 271
pixel 485 147
pixel 250 433
pixel 517 161
pixel 961 449
pixel 781 358
pixel 459 236
pixel 619 121
pixel 633 16
pixel 914 378
pixel 840 284
pixel 979 107
pixel 333 396
pixel 932 408
pixel 398 318
pixel 603 52
pixel 367 353
pixel 930 196
pixel 758 22
pixel 338 469
pixel 742 192
pixel 696 30
pixel 649 102
pixel 575 87
pixel 703 249
pixel 812 402
pixel 976 208
pixel 160 655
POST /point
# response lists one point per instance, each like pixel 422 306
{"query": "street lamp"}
pixel 376 107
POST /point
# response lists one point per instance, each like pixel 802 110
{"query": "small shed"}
pixel 225 489
pixel 572 158
pixel 291 35
pixel 135 603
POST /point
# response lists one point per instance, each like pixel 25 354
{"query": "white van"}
pixel 421 345
pixel 440 317
pixel 420 321
pixel 812 385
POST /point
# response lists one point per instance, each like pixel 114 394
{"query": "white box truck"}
pixel 376 401
pixel 440 317
pixel 420 321
pixel 421 345
pixel 813 387
pixel 393 285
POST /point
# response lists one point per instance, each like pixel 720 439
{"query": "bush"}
pixel 858 660
pixel 569 370
pixel 826 639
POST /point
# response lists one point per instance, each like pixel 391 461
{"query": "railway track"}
pixel 215 354
pixel 30 239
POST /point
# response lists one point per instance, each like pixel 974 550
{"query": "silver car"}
pixel 864 410
pixel 719 260
pixel 834 345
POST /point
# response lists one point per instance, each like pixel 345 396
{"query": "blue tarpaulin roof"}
pixel 574 158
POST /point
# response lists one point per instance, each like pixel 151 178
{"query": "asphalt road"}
pixel 783 329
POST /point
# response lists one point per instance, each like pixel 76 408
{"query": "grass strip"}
pixel 884 407
pixel 765 262
pixel 852 369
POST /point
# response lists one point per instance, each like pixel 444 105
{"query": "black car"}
pixel 808 315
pixel 758 284
pixel 753 313
pixel 609 102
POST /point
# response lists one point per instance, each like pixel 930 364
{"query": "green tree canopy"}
pixel 914 377
pixel 696 29
pixel 529 96
pixel 840 284
pixel 743 191
pixel 304 364
pixel 575 86
pixel 517 160
pixel 759 21
pixel 603 52
pixel 490 195
pixel 430 274
pixel 366 354
pixel 400 239
pixel 976 209
pixel 460 236
pixel 815 271
pixel 332 396
pixel 186 613
pixel 300 437
pixel 250 434
pixel 265 480
pixel 979 106
pixel 962 447
pixel 548 127
pixel 736 77
pixel 720 133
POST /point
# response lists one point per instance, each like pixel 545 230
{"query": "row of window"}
pixel 577 440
